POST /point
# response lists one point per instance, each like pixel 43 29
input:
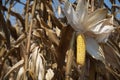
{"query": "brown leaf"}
pixel 12 30
pixel 110 56
pixel 52 36
pixel 57 22
pixel 5 29
pixel 2 36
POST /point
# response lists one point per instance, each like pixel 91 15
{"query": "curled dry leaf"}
pixel 36 64
pixel 20 39
pixel 58 31
pixel 52 36
pixel 17 65
pixel 49 75
pixel 20 74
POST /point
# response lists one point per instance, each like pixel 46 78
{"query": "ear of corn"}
pixel 81 46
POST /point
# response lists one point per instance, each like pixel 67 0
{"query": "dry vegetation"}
pixel 41 45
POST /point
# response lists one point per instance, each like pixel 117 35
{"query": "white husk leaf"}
pixel 95 17
pixel 93 49
pixel 81 10
pixel 103 29
pixel 72 17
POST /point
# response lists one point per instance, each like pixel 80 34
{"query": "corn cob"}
pixel 81 46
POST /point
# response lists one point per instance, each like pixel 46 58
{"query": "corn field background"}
pixel 41 45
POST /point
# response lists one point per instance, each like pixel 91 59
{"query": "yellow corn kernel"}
pixel 81 47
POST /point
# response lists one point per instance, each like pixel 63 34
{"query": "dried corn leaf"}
pixel 17 65
pixel 52 36
pixel 56 22
pixel 36 64
pixel 49 75
pixel 2 51
pixel 20 75
pixel 2 36
pixel 17 15
pixel 111 57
